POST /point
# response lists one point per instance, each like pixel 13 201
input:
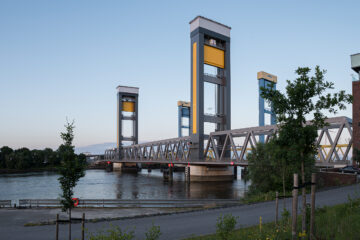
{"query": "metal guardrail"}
pixel 144 203
pixel 39 203
pixel 5 203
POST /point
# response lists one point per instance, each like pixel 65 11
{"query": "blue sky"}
pixel 63 59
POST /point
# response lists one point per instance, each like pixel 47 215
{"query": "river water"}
pixel 99 184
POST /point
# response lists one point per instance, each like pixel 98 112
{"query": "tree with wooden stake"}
pixel 71 170
pixel 305 97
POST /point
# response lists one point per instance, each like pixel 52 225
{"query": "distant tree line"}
pixel 24 158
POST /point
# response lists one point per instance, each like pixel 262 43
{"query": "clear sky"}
pixel 63 59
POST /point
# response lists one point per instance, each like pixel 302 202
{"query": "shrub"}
pixel 114 233
pixel 225 226
pixel 153 233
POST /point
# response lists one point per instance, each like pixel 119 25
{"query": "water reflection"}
pixel 100 184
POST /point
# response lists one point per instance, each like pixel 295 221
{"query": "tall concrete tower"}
pixel 127 110
pixel 266 80
pixel 210 45
pixel 355 65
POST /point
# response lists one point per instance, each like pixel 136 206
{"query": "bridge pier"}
pixel 211 173
pixel 125 167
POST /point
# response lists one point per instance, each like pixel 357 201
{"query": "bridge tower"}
pixel 266 80
pixel 127 110
pixel 210 45
pixel 183 112
pixel 355 65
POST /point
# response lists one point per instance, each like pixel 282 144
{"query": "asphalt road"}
pixel 175 226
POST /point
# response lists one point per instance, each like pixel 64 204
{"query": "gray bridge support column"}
pixel 210 45
pixel 127 110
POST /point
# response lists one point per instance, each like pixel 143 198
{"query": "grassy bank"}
pixel 336 222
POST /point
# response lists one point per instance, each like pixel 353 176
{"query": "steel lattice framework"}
pixel 238 143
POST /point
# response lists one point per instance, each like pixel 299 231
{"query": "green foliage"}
pixel 256 196
pixel 305 97
pixel 116 233
pixel 153 233
pixel 340 222
pixel 113 233
pixel 269 168
pixel 293 149
pixel 261 171
pixel 24 158
pixel 225 226
pixel 71 169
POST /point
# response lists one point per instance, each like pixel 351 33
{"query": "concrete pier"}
pixel 125 167
pixel 211 173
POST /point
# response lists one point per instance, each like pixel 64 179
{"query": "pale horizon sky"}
pixel 63 59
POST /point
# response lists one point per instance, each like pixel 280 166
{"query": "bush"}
pixel 114 233
pixel 225 226
pixel 153 233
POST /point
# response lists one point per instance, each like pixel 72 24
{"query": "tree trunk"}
pixel 303 222
pixel 70 224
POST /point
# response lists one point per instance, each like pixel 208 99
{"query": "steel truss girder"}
pixel 169 150
pixel 176 150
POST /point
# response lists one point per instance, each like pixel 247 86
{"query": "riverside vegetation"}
pixel 340 222
pixel 24 159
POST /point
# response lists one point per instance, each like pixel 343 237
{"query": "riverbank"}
pixel 46 216
pixel 172 226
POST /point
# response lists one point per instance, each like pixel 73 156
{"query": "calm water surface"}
pixel 109 185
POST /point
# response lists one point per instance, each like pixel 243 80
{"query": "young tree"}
pixel 71 170
pixel 305 97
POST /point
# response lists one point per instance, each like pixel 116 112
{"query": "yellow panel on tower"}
pixel 128 106
pixel 214 56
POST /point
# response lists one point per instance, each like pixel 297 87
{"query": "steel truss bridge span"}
pixel 231 147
